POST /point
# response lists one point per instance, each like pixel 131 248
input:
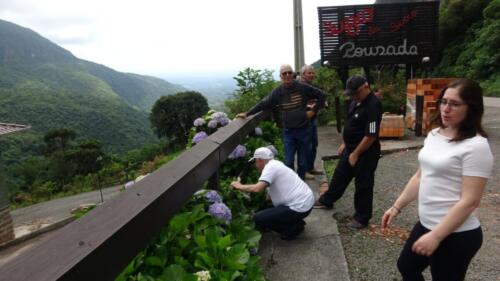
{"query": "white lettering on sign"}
pixel 349 50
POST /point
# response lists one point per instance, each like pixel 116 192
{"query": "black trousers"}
pixel 281 219
pixel 450 260
pixel 363 173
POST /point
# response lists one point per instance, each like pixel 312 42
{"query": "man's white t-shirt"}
pixel 286 187
pixel 443 164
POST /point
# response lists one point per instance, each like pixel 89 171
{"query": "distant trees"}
pixel 87 156
pixel 60 162
pixel 253 85
pixel 172 116
pixel 470 41
pixel 58 139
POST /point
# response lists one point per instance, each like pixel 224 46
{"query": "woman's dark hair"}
pixel 472 94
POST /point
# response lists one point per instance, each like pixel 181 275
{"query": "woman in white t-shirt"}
pixel 455 164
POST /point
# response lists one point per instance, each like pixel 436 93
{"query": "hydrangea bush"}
pixel 207 125
pixel 213 236
pixel 205 241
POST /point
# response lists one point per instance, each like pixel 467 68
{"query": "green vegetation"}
pixel 196 243
pixel 252 85
pixel 470 42
pixel 77 166
pixel 213 236
pixel 172 116
pixel 46 87
pixel 327 80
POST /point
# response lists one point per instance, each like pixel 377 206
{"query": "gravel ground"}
pixel 372 255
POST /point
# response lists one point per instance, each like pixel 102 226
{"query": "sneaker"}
pixel 316 172
pixel 319 205
pixel 309 176
pixel 356 224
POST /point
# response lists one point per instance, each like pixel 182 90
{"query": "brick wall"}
pixel 6 230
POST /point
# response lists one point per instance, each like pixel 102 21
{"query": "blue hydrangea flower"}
pixel 212 124
pixel 239 152
pixel 213 197
pixel 223 121
pixel 220 118
pixel 258 131
pixel 199 122
pixel 220 211
pixel 199 137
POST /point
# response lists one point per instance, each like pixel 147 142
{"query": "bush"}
pixel 199 241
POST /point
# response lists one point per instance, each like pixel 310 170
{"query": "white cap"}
pixel 262 153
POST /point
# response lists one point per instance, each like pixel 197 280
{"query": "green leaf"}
pixel 203 260
pixel 211 236
pixel 173 272
pixel 190 277
pixel 200 240
pixel 141 277
pixel 224 242
pixel 183 242
pixel 179 222
pixel 251 237
pixel 155 261
pixel 182 262
pixel 236 257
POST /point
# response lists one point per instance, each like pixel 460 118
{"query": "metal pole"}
pixel 98 160
pixel 298 34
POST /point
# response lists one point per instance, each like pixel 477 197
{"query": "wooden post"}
pixel 214 182
pixel 419 104
pixel 6 224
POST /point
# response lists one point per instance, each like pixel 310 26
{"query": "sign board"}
pixel 361 35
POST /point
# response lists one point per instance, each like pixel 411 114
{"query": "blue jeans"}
pixel 314 145
pixel 298 141
pixel 281 219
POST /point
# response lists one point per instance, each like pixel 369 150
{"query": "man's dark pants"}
pixel 314 145
pixel 281 219
pixel 364 174
pixel 297 141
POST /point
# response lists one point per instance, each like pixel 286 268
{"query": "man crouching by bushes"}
pixel 291 196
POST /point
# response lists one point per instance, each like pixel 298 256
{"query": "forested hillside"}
pixel 470 42
pixel 45 86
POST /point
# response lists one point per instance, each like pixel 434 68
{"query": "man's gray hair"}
pixel 306 68
pixel 285 67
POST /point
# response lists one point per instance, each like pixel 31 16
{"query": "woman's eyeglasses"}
pixel 452 104
pixel 286 73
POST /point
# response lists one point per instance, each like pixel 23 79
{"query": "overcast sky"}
pixel 174 38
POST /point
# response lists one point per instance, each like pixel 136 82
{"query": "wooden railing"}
pixel 99 245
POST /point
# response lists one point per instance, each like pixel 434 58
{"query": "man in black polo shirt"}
pixel 359 152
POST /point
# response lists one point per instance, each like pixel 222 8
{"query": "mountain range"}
pixel 47 87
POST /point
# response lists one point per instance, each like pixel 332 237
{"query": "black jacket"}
pixel 292 102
